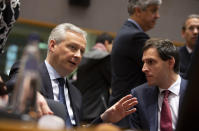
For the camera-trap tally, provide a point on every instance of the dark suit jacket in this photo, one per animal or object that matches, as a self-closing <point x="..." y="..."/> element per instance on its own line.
<point x="185" y="60"/>
<point x="47" y="91"/>
<point x="94" y="81"/>
<point x="57" y="108"/>
<point x="126" y="60"/>
<point x="146" y="116"/>
<point x="190" y="107"/>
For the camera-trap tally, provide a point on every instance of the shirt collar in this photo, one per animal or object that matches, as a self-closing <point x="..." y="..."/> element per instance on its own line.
<point x="189" y="49"/>
<point x="52" y="72"/>
<point x="175" y="87"/>
<point x="134" y="22"/>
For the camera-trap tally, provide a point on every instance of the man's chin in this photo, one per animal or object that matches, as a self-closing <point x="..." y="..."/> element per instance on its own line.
<point x="150" y="83"/>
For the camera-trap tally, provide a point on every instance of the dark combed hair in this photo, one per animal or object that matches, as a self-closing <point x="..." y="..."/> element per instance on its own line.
<point x="166" y="50"/>
<point x="103" y="37"/>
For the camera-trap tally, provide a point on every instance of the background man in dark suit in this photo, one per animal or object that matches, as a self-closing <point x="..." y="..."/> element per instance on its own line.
<point x="94" y="78"/>
<point x="126" y="54"/>
<point x="161" y="67"/>
<point x="190" y="31"/>
<point x="66" y="46"/>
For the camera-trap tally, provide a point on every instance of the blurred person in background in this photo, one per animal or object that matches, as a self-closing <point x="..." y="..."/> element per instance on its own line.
<point x="190" y="31"/>
<point x="94" y="78"/>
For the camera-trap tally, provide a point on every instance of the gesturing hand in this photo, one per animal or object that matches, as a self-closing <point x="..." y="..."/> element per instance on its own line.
<point x="120" y="109"/>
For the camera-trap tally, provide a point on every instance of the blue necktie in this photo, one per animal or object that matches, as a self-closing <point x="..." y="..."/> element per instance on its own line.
<point x="62" y="99"/>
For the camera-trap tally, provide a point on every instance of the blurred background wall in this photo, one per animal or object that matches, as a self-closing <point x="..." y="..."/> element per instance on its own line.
<point x="38" y="17"/>
<point x="108" y="15"/>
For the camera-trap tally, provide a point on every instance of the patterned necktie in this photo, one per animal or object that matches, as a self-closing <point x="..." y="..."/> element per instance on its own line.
<point x="62" y="99"/>
<point x="165" y="118"/>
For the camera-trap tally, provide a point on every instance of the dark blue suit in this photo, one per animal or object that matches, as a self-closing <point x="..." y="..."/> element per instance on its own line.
<point x="185" y="60"/>
<point x="126" y="60"/>
<point x="126" y="63"/>
<point x="47" y="91"/>
<point x="74" y="94"/>
<point x="146" y="116"/>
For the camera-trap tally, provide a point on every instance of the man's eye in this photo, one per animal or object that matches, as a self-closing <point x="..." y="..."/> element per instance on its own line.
<point x="82" y="51"/>
<point x="72" y="47"/>
<point x="191" y="28"/>
<point x="150" y="62"/>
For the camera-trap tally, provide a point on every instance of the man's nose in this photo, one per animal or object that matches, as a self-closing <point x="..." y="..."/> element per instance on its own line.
<point x="157" y="15"/>
<point x="144" y="68"/>
<point x="196" y="30"/>
<point x="78" y="54"/>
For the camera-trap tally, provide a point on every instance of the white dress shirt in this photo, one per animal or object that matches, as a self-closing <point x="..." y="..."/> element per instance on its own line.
<point x="173" y="99"/>
<point x="55" y="85"/>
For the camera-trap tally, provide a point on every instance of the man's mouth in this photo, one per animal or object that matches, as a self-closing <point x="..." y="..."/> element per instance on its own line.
<point x="73" y="63"/>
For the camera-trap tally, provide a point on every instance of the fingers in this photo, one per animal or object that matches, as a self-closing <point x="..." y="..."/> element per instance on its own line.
<point x="46" y="110"/>
<point x="43" y="109"/>
<point x="125" y="98"/>
<point x="130" y="111"/>
<point x="42" y="106"/>
<point x="129" y="103"/>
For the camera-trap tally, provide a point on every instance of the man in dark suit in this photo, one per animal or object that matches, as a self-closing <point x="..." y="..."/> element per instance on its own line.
<point x="126" y="54"/>
<point x="66" y="46"/>
<point x="190" y="31"/>
<point x="161" y="67"/>
<point x="94" y="78"/>
<point x="127" y="47"/>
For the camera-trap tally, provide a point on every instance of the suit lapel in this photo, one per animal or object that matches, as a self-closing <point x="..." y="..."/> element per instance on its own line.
<point x="46" y="90"/>
<point x="72" y="102"/>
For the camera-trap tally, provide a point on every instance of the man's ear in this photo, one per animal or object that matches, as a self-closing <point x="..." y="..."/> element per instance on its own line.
<point x="138" y="10"/>
<point x="183" y="33"/>
<point x="52" y="45"/>
<point x="171" y="63"/>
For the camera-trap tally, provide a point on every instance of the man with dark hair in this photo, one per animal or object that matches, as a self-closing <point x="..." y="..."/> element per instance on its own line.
<point x="190" y="31"/>
<point x="161" y="97"/>
<point x="94" y="78"/>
